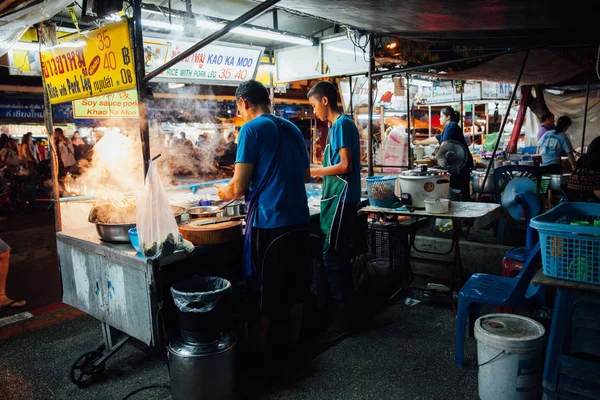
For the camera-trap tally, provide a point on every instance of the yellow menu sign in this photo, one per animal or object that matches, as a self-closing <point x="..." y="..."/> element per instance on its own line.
<point x="91" y="64"/>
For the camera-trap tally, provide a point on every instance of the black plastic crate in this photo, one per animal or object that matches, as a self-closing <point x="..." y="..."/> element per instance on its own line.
<point x="391" y="242"/>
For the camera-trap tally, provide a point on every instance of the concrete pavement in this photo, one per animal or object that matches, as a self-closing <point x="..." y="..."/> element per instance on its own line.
<point x="407" y="354"/>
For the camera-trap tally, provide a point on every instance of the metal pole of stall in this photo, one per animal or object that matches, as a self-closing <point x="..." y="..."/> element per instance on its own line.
<point x="408" y="112"/>
<point x="370" y="120"/>
<point x="49" y="121"/>
<point x="473" y="126"/>
<point x="504" y="119"/>
<point x="587" y="99"/>
<point x="487" y="122"/>
<point x="429" y="118"/>
<point x="142" y="87"/>
<point x="351" y="105"/>
<point x="259" y="9"/>
<point x="271" y="82"/>
<point x="462" y="110"/>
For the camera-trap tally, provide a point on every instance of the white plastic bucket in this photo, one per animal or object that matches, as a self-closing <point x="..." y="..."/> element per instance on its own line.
<point x="509" y="355"/>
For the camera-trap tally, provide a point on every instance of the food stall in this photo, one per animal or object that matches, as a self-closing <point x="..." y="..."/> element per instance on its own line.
<point x="483" y="105"/>
<point x="102" y="273"/>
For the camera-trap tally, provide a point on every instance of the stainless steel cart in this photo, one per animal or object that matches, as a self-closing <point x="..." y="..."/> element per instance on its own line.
<point x="120" y="288"/>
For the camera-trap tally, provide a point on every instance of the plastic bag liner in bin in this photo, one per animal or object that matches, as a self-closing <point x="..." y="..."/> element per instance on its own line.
<point x="203" y="308"/>
<point x="200" y="294"/>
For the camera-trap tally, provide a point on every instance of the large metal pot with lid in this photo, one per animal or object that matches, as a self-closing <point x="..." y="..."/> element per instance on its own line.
<point x="424" y="183"/>
<point x="557" y="181"/>
<point x="477" y="177"/>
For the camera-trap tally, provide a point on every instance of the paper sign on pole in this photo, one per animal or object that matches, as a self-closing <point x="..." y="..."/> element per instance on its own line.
<point x="120" y="105"/>
<point x="91" y="64"/>
<point x="221" y="65"/>
<point x="495" y="90"/>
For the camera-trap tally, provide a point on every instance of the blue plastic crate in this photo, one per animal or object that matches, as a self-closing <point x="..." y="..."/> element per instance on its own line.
<point x="570" y="252"/>
<point x="529" y="150"/>
<point x="380" y="190"/>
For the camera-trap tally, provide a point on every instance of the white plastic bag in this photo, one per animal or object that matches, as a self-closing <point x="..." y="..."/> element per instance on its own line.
<point x="156" y="225"/>
<point x="396" y="149"/>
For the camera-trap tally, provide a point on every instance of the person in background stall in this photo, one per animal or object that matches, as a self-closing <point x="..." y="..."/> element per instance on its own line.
<point x="547" y="125"/>
<point x="66" y="153"/>
<point x="3" y="140"/>
<point x="271" y="169"/>
<point x="77" y="141"/>
<point x="5" y="301"/>
<point x="203" y="141"/>
<point x="584" y="183"/>
<point x="27" y="156"/>
<point x="459" y="180"/>
<point x="185" y="141"/>
<point x="169" y="139"/>
<point x="229" y="151"/>
<point x="78" y="146"/>
<point x="9" y="157"/>
<point x="341" y="194"/>
<point x="553" y="145"/>
<point x="41" y="149"/>
<point x="34" y="149"/>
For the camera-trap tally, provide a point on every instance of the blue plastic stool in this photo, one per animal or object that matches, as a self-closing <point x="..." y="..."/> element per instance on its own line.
<point x="520" y="254"/>
<point x="498" y="291"/>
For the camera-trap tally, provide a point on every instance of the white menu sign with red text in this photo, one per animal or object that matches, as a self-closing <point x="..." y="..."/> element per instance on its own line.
<point x="215" y="64"/>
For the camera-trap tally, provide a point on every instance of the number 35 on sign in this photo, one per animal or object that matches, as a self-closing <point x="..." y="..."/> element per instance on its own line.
<point x="90" y="64"/>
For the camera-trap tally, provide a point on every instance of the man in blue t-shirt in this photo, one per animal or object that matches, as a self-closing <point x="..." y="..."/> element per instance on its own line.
<point x="341" y="194"/>
<point x="271" y="168"/>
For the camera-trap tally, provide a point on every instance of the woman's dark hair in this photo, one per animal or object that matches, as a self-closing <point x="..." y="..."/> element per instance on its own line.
<point x="324" y="89"/>
<point x="591" y="158"/>
<point x="562" y="124"/>
<point x="450" y="113"/>
<point x="253" y="92"/>
<point x="3" y="141"/>
<point x="546" y="116"/>
<point x="26" y="138"/>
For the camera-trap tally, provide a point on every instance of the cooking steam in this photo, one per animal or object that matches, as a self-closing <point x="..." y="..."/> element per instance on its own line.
<point x="116" y="166"/>
<point x="188" y="145"/>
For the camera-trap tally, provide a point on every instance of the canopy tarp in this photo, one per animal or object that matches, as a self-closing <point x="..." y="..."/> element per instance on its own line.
<point x="573" y="105"/>
<point x="543" y="67"/>
<point x="14" y="25"/>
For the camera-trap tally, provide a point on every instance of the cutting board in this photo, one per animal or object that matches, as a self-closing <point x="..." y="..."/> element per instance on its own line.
<point x="221" y="232"/>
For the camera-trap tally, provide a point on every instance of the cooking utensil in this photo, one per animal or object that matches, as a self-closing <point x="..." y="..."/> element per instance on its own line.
<point x="114" y="233"/>
<point x="203" y="222"/>
<point x="220" y="232"/>
<point x="557" y="180"/>
<point x="178" y="212"/>
<point x="123" y="211"/>
<point x="477" y="178"/>
<point x="223" y="206"/>
<point x="205" y="212"/>
<point x="437" y="206"/>
<point x="423" y="184"/>
<point x="235" y="209"/>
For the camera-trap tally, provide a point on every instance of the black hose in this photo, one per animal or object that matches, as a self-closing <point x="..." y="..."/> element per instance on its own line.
<point x="136" y="391"/>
